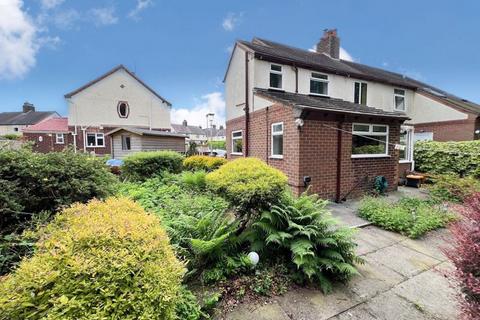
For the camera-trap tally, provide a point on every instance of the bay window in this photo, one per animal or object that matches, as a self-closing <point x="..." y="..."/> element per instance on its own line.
<point x="237" y="142"/>
<point x="277" y="140"/>
<point x="319" y="84"/>
<point x="369" y="140"/>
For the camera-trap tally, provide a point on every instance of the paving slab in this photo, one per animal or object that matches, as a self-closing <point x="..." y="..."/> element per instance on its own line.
<point x="431" y="244"/>
<point x="345" y="215"/>
<point x="390" y="306"/>
<point x="431" y="291"/>
<point x="403" y="260"/>
<point x="376" y="237"/>
<point x="270" y="311"/>
<point x="309" y="304"/>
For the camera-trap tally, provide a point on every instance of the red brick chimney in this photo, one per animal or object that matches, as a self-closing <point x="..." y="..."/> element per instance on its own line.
<point x="329" y="43"/>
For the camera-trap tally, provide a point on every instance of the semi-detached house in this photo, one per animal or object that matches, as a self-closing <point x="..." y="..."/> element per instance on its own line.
<point x="331" y="124"/>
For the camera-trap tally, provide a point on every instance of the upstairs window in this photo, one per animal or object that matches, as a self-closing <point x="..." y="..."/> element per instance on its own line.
<point x="59" y="138"/>
<point x="275" y="76"/>
<point x="360" y="93"/>
<point x="277" y="140"/>
<point x="369" y="140"/>
<point x="123" y="109"/>
<point x="399" y="99"/>
<point x="319" y="84"/>
<point x="237" y="142"/>
<point x="95" y="140"/>
<point x="126" y="143"/>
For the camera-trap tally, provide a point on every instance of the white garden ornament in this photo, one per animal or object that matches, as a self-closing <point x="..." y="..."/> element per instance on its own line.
<point x="254" y="257"/>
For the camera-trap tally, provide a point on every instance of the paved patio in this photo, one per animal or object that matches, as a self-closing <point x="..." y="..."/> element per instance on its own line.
<point x="401" y="279"/>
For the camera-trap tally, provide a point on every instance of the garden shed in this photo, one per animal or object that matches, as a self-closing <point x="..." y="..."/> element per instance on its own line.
<point x="128" y="140"/>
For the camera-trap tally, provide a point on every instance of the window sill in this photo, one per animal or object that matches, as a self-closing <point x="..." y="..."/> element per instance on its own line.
<point x="405" y="161"/>
<point x="319" y="95"/>
<point x="276" y="89"/>
<point x="360" y="156"/>
<point x="236" y="153"/>
<point x="59" y="143"/>
<point x="95" y="147"/>
<point x="276" y="157"/>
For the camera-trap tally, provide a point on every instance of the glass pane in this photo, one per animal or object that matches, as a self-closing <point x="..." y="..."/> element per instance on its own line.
<point x="90" y="140"/>
<point x="237" y="134"/>
<point x="361" y="127"/>
<point x="277" y="127"/>
<point x="403" y="142"/>
<point x="356" y="95"/>
<point x="364" y="94"/>
<point x="275" y="80"/>
<point x="399" y="103"/>
<point x="99" y="141"/>
<point x="399" y="92"/>
<point x="379" y="129"/>
<point x="127" y="143"/>
<point x="237" y="145"/>
<point x="365" y="145"/>
<point x="319" y="76"/>
<point x="277" y="145"/>
<point x="318" y="87"/>
<point x="276" y="67"/>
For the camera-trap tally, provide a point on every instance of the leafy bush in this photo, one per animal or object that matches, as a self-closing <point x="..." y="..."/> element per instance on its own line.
<point x="104" y="260"/>
<point x="204" y="163"/>
<point x="34" y="182"/>
<point x="144" y="165"/>
<point x="248" y="183"/>
<point x="12" y="136"/>
<point x="460" y="158"/>
<point x="465" y="255"/>
<point x="187" y="307"/>
<point x="409" y="216"/>
<point x="452" y="188"/>
<point x="194" y="180"/>
<point x="218" y="145"/>
<point x="303" y="232"/>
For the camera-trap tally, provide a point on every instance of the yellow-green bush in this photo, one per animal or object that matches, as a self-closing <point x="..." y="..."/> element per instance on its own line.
<point x="103" y="260"/>
<point x="248" y="182"/>
<point x="205" y="163"/>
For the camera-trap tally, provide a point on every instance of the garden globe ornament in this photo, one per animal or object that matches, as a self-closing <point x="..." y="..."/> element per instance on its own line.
<point x="254" y="258"/>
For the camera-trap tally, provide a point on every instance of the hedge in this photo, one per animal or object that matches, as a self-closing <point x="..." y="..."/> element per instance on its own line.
<point x="204" y="163"/>
<point x="144" y="165"/>
<point x="460" y="158"/>
<point x="103" y="260"/>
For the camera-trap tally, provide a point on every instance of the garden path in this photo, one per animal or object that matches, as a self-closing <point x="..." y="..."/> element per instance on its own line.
<point x="401" y="279"/>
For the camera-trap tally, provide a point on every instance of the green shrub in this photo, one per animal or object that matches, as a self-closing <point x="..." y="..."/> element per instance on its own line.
<point x="144" y="165"/>
<point x="459" y="158"/>
<point x="187" y="307"/>
<point x="218" y="145"/>
<point x="204" y="163"/>
<point x="452" y="188"/>
<point x="12" y="136"/>
<point x="409" y="216"/>
<point x="104" y="260"/>
<point x="194" y="180"/>
<point x="302" y="231"/>
<point x="248" y="183"/>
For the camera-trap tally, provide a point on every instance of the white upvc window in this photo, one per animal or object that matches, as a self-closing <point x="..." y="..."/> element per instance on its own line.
<point x="95" y="140"/>
<point x="369" y="140"/>
<point x="277" y="140"/>
<point x="276" y="75"/>
<point x="406" y="140"/>
<point x="59" y="138"/>
<point x="399" y="102"/>
<point x="237" y="142"/>
<point x="360" y="92"/>
<point x="319" y="84"/>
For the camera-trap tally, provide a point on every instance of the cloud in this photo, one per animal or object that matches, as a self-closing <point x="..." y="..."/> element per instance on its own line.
<point x="141" y="6"/>
<point x="104" y="16"/>
<point x="209" y="103"/>
<point x="50" y="4"/>
<point x="229" y="49"/>
<point x="231" y="21"/>
<point x="344" y="55"/>
<point x="66" y="19"/>
<point x="18" y="40"/>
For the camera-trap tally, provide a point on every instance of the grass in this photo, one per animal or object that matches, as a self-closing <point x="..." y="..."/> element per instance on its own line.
<point x="409" y="216"/>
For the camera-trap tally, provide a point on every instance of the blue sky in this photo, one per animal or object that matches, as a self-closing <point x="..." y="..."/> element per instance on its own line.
<point x="181" y="48"/>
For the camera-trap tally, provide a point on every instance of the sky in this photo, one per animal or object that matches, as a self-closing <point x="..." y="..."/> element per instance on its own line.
<point x="181" y="48"/>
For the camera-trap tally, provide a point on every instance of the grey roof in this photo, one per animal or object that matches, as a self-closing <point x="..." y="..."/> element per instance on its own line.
<point x="24" y="118"/>
<point x="180" y="128"/>
<point x="146" y="132"/>
<point x="325" y="104"/>
<point x="273" y="51"/>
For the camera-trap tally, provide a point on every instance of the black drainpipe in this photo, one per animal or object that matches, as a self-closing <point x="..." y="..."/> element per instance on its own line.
<point x="266" y="136"/>
<point x="247" y="108"/>
<point x="296" y="79"/>
<point x="339" y="161"/>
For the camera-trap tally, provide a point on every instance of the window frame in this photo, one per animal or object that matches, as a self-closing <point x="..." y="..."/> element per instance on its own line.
<point x="372" y="133"/>
<point x="124" y="142"/>
<point x="404" y="96"/>
<point x="275" y="72"/>
<point x="127" y="109"/>
<point x="409" y="144"/>
<point x="360" y="91"/>
<point x="272" y="134"/>
<point x="97" y="134"/>
<point x="233" y="140"/>
<point x="57" y="141"/>
<point x="327" y="81"/>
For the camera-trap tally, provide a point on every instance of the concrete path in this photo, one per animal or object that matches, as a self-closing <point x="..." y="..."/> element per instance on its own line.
<point x="401" y="279"/>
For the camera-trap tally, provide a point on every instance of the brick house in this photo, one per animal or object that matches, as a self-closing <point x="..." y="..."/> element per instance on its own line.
<point x="117" y="99"/>
<point x="15" y="122"/>
<point x="326" y="122"/>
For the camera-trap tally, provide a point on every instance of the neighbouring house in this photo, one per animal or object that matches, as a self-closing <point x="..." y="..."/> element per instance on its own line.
<point x="117" y="99"/>
<point x="330" y="124"/>
<point x="201" y="136"/>
<point x="15" y="122"/>
<point x="128" y="140"/>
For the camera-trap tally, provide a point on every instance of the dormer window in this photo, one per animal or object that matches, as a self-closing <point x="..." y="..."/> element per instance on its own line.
<point x="275" y="76"/>
<point x="123" y="109"/>
<point x="319" y="84"/>
<point x="399" y="99"/>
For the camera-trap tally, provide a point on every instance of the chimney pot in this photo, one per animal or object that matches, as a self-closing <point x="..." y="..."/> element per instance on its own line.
<point x="184" y="123"/>
<point x="329" y="44"/>
<point x="27" y="106"/>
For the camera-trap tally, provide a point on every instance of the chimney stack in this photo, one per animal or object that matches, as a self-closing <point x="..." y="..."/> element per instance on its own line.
<point x="184" y="123"/>
<point x="329" y="43"/>
<point x="27" y="107"/>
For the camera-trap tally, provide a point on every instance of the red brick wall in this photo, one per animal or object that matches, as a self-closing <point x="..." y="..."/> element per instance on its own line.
<point x="48" y="141"/>
<point x="456" y="130"/>
<point x="100" y="150"/>
<point x="312" y="151"/>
